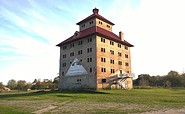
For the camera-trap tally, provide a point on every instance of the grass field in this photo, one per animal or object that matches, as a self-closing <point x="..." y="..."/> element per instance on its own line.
<point x="102" y="101"/>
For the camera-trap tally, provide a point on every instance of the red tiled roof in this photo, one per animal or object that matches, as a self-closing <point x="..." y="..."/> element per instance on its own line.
<point x="95" y="15"/>
<point x="94" y="30"/>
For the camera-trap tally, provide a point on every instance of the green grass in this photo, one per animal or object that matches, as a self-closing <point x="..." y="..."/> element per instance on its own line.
<point x="102" y="101"/>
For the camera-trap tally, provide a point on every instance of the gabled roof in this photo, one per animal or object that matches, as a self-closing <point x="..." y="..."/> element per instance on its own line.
<point x="95" y="30"/>
<point x="95" y="15"/>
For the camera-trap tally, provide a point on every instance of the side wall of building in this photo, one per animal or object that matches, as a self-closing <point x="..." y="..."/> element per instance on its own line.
<point x="83" y="50"/>
<point x="112" y="58"/>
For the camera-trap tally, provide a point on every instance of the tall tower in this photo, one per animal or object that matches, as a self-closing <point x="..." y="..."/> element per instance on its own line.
<point x="94" y="57"/>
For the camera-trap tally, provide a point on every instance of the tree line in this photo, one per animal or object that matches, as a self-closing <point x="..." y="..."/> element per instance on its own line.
<point x="37" y="84"/>
<point x="172" y="79"/>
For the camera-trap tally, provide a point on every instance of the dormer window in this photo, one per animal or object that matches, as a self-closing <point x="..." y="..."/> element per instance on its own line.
<point x="100" y="22"/>
<point x="91" y="22"/>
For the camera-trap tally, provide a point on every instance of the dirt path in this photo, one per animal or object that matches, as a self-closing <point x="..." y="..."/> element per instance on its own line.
<point x="170" y="111"/>
<point x="51" y="107"/>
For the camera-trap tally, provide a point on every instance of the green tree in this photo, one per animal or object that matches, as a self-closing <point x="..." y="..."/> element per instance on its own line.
<point x="1" y="85"/>
<point x="28" y="86"/>
<point x="21" y="85"/>
<point x="174" y="78"/>
<point x="56" y="82"/>
<point x="167" y="83"/>
<point x="12" y="84"/>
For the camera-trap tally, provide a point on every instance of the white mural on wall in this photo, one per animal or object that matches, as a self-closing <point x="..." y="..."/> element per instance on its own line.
<point x="76" y="68"/>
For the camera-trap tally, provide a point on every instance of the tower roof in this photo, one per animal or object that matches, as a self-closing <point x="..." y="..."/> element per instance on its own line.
<point x="95" y="15"/>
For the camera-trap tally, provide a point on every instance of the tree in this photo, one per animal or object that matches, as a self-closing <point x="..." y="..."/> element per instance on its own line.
<point x="175" y="78"/>
<point x="28" y="86"/>
<point x="21" y="85"/>
<point x="142" y="80"/>
<point x="167" y="83"/>
<point x="1" y="85"/>
<point x="12" y="84"/>
<point x="56" y="82"/>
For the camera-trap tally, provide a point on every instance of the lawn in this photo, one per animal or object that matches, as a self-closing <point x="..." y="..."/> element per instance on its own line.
<point x="101" y="101"/>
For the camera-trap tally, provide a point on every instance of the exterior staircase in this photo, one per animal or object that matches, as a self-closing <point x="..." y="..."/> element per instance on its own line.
<point x="120" y="80"/>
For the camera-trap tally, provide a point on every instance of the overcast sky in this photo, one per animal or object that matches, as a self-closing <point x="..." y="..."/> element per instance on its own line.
<point x="30" y="29"/>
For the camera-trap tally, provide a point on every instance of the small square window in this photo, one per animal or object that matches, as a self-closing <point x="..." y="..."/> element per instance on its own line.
<point x="103" y="40"/>
<point x="90" y="70"/>
<point x="119" y="54"/>
<point x="89" y="40"/>
<point x="112" y="52"/>
<point x="119" y="45"/>
<point x="103" y="80"/>
<point x="126" y="64"/>
<point x="111" y="43"/>
<point x="126" y="48"/>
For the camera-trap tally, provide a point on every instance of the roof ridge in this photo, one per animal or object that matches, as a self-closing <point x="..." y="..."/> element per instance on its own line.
<point x="95" y="15"/>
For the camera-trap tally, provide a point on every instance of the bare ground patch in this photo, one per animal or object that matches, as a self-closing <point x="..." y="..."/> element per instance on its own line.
<point x="167" y="111"/>
<point x="28" y="106"/>
<point x="79" y="107"/>
<point x="101" y="107"/>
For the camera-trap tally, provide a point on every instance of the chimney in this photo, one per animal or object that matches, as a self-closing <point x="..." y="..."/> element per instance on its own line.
<point x="95" y="11"/>
<point x="76" y="34"/>
<point x="121" y="35"/>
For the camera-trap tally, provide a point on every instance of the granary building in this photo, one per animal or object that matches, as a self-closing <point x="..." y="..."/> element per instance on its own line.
<point x="94" y="57"/>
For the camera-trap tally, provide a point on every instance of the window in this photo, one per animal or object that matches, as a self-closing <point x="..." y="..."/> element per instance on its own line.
<point x="112" y="70"/>
<point x="89" y="40"/>
<point x="62" y="73"/>
<point x="64" y="56"/>
<point x="78" y="80"/>
<point x="79" y="52"/>
<point x="64" y="47"/>
<point x="89" y="50"/>
<point x="103" y="80"/>
<point x="111" y="43"/>
<point x="112" y="52"/>
<point x="120" y="71"/>
<point x="119" y="45"/>
<point x="119" y="62"/>
<point x="90" y="69"/>
<point x="80" y="43"/>
<point x="83" y="25"/>
<point x="126" y="64"/>
<point x="72" y="54"/>
<point x="128" y="72"/>
<point x="89" y="59"/>
<point x="103" y="69"/>
<point x="119" y="54"/>
<point x="80" y="60"/>
<point x="111" y="61"/>
<point x="71" y="45"/>
<point x="126" y="56"/>
<point x="64" y="65"/>
<point x="103" y="40"/>
<point x="108" y="26"/>
<point x="102" y="49"/>
<point x="100" y="22"/>
<point x="126" y="47"/>
<point x="91" y="22"/>
<point x="103" y="59"/>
